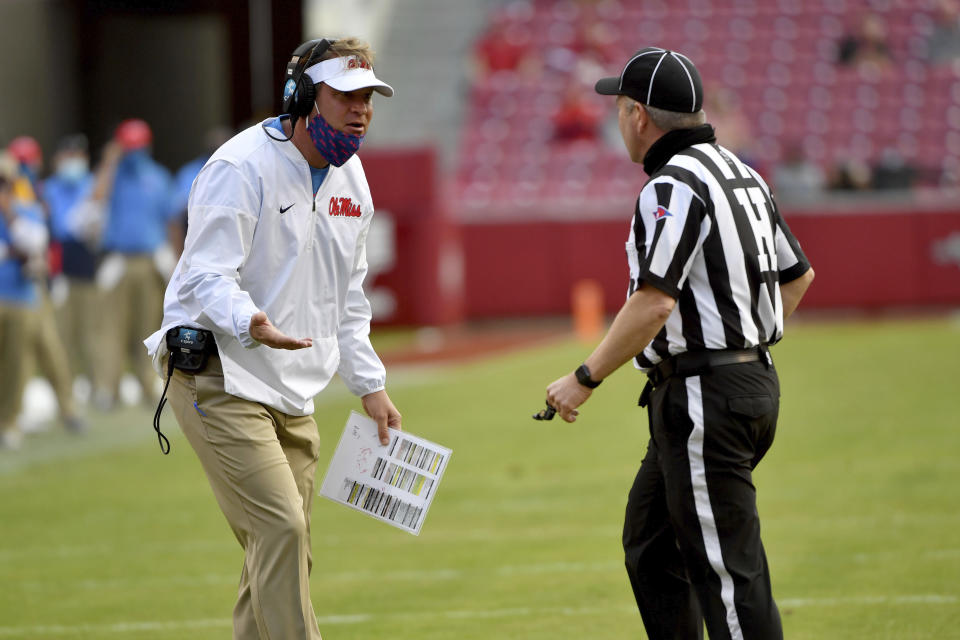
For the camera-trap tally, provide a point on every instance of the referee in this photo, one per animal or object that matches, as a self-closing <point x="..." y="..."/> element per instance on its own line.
<point x="714" y="271"/>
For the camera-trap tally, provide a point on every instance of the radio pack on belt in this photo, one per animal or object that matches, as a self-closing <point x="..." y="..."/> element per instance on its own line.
<point x="189" y="349"/>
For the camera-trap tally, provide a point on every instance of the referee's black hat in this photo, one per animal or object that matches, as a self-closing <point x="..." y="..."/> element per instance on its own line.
<point x="659" y="78"/>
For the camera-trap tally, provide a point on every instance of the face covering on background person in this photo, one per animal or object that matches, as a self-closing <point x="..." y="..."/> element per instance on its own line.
<point x="133" y="160"/>
<point x="73" y="169"/>
<point x="335" y="146"/>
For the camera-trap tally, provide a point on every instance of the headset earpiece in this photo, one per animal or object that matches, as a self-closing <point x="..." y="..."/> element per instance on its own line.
<point x="305" y="95"/>
<point x="299" y="92"/>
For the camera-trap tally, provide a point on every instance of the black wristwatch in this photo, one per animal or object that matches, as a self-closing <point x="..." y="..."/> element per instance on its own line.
<point x="583" y="377"/>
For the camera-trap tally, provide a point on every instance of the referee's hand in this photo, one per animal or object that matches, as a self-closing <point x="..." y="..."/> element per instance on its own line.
<point x="565" y="395"/>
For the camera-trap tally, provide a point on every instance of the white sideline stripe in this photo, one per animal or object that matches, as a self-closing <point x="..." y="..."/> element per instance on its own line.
<point x="16" y="553"/>
<point x="359" y="618"/>
<point x="701" y="498"/>
<point x="445" y="574"/>
<point x="929" y="598"/>
<point x="117" y="627"/>
<point x="334" y="576"/>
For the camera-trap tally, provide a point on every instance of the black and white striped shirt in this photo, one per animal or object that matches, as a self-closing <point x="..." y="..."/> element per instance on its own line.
<point x="707" y="232"/>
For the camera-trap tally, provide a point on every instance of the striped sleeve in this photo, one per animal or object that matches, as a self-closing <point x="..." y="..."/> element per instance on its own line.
<point x="791" y="261"/>
<point x="675" y="224"/>
<point x="636" y="248"/>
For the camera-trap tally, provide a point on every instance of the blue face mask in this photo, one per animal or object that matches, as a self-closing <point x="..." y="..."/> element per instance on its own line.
<point x="335" y="146"/>
<point x="135" y="159"/>
<point x="73" y="169"/>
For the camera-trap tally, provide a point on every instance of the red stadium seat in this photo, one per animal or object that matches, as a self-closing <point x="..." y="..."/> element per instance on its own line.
<point x="778" y="55"/>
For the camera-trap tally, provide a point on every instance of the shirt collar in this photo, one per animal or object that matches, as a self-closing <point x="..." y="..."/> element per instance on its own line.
<point x="673" y="142"/>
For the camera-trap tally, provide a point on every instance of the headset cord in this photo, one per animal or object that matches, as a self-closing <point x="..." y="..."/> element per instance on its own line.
<point x="164" y="442"/>
<point x="293" y="124"/>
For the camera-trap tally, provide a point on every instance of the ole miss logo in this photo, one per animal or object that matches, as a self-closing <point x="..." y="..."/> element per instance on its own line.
<point x="356" y="63"/>
<point x="344" y="207"/>
<point x="661" y="213"/>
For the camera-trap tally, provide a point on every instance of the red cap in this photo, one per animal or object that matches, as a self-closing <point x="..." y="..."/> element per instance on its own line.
<point x="25" y="150"/>
<point x="133" y="134"/>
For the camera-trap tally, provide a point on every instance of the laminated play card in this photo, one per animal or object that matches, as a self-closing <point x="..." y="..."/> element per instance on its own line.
<point x="395" y="482"/>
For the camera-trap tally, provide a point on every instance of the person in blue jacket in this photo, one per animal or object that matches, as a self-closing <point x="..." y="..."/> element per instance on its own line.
<point x="183" y="181"/>
<point x="136" y="262"/>
<point x="48" y="357"/>
<point x="65" y="193"/>
<point x="23" y="246"/>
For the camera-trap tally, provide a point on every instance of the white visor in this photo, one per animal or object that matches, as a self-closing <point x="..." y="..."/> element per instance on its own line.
<point x="348" y="73"/>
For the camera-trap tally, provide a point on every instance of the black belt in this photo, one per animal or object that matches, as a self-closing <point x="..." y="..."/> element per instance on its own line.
<point x="695" y="363"/>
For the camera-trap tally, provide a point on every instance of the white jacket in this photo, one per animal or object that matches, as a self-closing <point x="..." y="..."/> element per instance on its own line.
<point x="258" y="240"/>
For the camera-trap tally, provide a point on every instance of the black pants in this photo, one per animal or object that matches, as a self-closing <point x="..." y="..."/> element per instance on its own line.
<point x="692" y="532"/>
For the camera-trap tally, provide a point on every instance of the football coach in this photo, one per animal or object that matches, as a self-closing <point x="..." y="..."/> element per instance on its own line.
<point x="277" y="248"/>
<point x="714" y="272"/>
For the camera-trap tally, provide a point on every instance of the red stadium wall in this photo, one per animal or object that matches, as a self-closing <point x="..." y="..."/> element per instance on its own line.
<point x="425" y="279"/>
<point x="445" y="271"/>
<point x="875" y="260"/>
<point x="863" y="260"/>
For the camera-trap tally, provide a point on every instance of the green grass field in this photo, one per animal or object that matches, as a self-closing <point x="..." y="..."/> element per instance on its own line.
<point x="103" y="537"/>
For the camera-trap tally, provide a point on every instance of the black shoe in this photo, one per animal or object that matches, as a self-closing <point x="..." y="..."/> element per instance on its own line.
<point x="76" y="425"/>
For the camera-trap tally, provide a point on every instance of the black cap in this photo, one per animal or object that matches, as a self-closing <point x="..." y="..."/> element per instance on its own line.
<point x="659" y="78"/>
<point x="73" y="142"/>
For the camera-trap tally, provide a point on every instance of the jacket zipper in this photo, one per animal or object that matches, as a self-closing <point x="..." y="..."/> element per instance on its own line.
<point x="313" y="218"/>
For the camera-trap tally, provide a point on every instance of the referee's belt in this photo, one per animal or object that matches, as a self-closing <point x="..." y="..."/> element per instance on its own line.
<point x="695" y="363"/>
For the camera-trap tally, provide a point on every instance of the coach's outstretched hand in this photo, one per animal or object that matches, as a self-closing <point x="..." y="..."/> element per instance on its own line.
<point x="566" y="394"/>
<point x="263" y="331"/>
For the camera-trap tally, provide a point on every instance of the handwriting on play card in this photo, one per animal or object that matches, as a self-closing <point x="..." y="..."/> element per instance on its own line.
<point x="395" y="482"/>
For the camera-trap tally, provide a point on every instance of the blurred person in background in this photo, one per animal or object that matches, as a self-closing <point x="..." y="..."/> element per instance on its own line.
<point x="78" y="313"/>
<point x="505" y="49"/>
<point x="892" y="171"/>
<point x="723" y="109"/>
<point x="943" y="43"/>
<point x="714" y="272"/>
<point x="29" y="155"/>
<point x="46" y="352"/>
<point x="577" y="118"/>
<point x="136" y="261"/>
<point x="277" y="249"/>
<point x="23" y="244"/>
<point x="868" y="47"/>
<point x="796" y="178"/>
<point x="182" y="182"/>
<point x="850" y="174"/>
<point x="595" y="46"/>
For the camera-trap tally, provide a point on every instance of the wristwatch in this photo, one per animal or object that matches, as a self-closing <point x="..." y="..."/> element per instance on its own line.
<point x="583" y="377"/>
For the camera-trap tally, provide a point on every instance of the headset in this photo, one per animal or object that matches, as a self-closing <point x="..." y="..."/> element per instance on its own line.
<point x="298" y="91"/>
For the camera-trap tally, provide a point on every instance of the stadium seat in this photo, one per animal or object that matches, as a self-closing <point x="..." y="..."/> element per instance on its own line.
<point x="779" y="55"/>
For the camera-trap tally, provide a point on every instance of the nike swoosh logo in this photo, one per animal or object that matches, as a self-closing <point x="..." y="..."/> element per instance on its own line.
<point x="287" y="208"/>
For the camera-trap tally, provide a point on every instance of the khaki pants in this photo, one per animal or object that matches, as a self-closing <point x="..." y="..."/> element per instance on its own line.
<point x="16" y="328"/>
<point x="79" y="322"/>
<point x="261" y="465"/>
<point x="132" y="311"/>
<point x="48" y="356"/>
